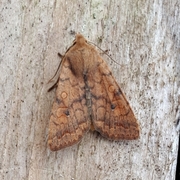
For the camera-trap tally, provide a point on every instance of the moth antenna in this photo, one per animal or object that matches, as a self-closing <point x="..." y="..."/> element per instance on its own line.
<point x="53" y="86"/>
<point x="104" y="52"/>
<point x="61" y="56"/>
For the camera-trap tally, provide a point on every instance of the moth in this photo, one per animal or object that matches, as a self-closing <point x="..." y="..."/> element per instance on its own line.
<point x="88" y="96"/>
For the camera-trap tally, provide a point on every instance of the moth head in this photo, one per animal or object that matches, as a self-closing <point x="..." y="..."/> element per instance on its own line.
<point x="80" y="39"/>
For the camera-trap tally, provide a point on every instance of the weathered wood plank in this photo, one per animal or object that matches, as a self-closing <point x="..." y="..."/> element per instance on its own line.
<point x="143" y="36"/>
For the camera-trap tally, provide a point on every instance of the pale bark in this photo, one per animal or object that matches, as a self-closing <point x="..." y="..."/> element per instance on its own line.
<point x="142" y="36"/>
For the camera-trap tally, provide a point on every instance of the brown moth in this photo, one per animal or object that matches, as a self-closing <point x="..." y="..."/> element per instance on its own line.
<point x="88" y="95"/>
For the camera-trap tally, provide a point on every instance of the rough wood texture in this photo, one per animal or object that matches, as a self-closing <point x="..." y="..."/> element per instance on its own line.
<point x="142" y="36"/>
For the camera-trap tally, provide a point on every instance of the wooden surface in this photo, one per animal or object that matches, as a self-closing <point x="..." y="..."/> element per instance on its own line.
<point x="142" y="36"/>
